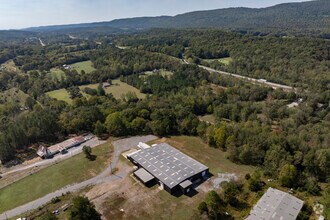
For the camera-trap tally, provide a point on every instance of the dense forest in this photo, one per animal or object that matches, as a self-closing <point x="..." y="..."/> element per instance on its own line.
<point x="253" y="123"/>
<point x="299" y="62"/>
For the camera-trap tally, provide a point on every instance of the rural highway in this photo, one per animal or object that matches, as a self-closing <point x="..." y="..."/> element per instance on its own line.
<point x="106" y="176"/>
<point x="42" y="43"/>
<point x="253" y="80"/>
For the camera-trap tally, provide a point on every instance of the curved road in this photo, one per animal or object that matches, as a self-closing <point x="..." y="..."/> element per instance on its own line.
<point x="253" y="80"/>
<point x="106" y="176"/>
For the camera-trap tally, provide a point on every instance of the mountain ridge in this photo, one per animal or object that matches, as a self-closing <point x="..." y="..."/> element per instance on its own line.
<point x="305" y="16"/>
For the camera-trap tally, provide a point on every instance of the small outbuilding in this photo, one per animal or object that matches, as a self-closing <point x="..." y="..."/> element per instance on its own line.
<point x="146" y="178"/>
<point x="186" y="186"/>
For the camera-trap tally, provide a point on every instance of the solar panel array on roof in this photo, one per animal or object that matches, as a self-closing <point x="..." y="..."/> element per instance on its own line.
<point x="168" y="164"/>
<point x="275" y="204"/>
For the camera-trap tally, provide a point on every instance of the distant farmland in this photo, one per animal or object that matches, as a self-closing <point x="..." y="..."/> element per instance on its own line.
<point x="117" y="90"/>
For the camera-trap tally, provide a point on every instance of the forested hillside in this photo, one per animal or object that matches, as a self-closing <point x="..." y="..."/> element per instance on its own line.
<point x="299" y="62"/>
<point x="291" y="18"/>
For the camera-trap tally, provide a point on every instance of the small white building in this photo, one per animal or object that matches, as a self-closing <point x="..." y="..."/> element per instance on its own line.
<point x="143" y="146"/>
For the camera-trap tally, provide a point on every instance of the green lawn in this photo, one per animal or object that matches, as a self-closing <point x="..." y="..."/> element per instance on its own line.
<point x="225" y="60"/>
<point x="73" y="170"/>
<point x="117" y="89"/>
<point x="87" y="66"/>
<point x="214" y="158"/>
<point x="56" y="74"/>
<point x="60" y="94"/>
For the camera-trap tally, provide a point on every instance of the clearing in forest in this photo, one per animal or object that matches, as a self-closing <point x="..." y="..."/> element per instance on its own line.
<point x="117" y="89"/>
<point x="10" y="66"/>
<point x="164" y="73"/>
<point x="225" y="60"/>
<point x="61" y="94"/>
<point x="87" y="66"/>
<point x="56" y="74"/>
<point x="13" y="95"/>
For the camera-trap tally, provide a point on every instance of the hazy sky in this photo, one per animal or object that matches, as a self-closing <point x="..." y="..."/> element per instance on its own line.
<point x="27" y="13"/>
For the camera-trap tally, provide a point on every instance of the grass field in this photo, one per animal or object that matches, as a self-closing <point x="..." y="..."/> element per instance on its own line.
<point x="13" y="95"/>
<point x="214" y="158"/>
<point x="208" y="118"/>
<point x="56" y="74"/>
<point x="73" y="170"/>
<point x="60" y="94"/>
<point x="225" y="60"/>
<point x="162" y="72"/>
<point x="117" y="89"/>
<point x="87" y="66"/>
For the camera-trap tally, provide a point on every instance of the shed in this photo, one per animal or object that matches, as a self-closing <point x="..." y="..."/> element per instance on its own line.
<point x="186" y="186"/>
<point x="144" y="176"/>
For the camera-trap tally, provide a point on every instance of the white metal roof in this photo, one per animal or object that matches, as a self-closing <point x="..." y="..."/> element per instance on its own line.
<point x="276" y="204"/>
<point x="168" y="164"/>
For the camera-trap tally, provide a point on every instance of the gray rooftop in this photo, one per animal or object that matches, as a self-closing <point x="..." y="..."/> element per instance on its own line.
<point x="186" y="184"/>
<point x="275" y="204"/>
<point x="168" y="164"/>
<point x="144" y="175"/>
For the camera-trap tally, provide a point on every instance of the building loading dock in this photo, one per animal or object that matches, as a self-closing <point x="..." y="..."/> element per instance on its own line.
<point x="173" y="170"/>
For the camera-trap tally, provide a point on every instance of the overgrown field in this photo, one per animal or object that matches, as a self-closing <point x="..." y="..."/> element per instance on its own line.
<point x="56" y="74"/>
<point x="225" y="60"/>
<point x="13" y="95"/>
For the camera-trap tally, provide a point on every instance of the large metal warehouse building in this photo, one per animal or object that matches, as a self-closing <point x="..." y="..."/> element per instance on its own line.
<point x="170" y="168"/>
<point x="276" y="204"/>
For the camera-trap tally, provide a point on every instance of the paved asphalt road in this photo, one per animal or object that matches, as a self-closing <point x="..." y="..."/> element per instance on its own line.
<point x="270" y="84"/>
<point x="57" y="158"/>
<point x="106" y="176"/>
<point x="253" y="80"/>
